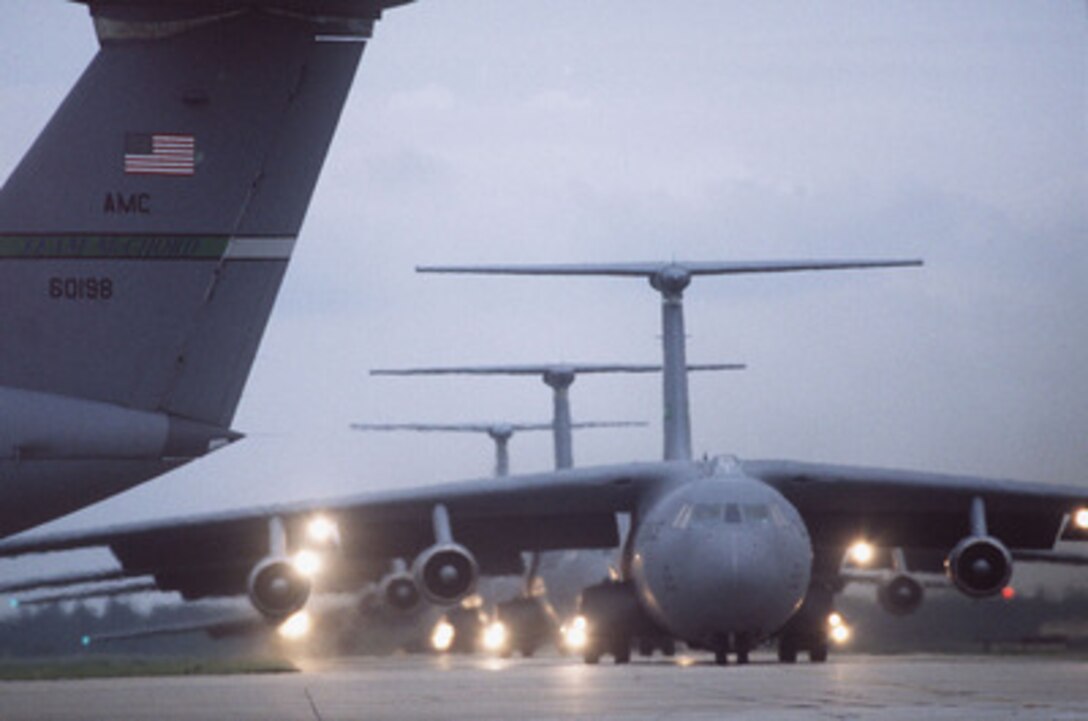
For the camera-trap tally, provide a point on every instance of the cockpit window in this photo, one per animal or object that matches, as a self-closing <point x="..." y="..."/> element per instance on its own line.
<point x="706" y="513"/>
<point x="779" y="517"/>
<point x="683" y="516"/>
<point x="757" y="513"/>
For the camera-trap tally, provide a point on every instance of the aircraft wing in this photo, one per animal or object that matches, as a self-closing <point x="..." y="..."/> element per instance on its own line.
<point x="496" y="519"/>
<point x="499" y="518"/>
<point x="928" y="579"/>
<point x="915" y="510"/>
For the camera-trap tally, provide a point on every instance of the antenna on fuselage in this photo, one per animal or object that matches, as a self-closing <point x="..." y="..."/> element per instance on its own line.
<point x="559" y="377"/>
<point x="500" y="433"/>
<point x="671" y="279"/>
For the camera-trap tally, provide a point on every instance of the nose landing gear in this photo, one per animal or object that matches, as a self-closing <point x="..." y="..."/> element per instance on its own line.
<point x="740" y="644"/>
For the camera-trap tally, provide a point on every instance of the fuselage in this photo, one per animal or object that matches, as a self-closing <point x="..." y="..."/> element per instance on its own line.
<point x="721" y="558"/>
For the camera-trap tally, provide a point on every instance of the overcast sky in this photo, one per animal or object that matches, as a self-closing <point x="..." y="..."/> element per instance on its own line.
<point x="517" y="131"/>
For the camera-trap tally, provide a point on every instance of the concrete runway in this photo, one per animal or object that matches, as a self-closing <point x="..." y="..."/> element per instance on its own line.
<point x="847" y="687"/>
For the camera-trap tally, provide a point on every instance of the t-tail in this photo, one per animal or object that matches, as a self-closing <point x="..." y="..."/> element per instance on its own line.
<point x="670" y="279"/>
<point x="144" y="236"/>
<point x="560" y="377"/>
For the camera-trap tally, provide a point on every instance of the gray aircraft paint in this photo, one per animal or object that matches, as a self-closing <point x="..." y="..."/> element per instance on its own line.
<point x="684" y="571"/>
<point x="144" y="237"/>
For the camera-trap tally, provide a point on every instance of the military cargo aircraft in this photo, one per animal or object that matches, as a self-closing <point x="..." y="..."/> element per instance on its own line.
<point x="553" y="582"/>
<point x="722" y="553"/>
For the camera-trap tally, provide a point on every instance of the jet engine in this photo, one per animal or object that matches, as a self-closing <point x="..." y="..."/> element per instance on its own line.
<point x="277" y="589"/>
<point x="399" y="592"/>
<point x="445" y="573"/>
<point x="979" y="566"/>
<point x="900" y="595"/>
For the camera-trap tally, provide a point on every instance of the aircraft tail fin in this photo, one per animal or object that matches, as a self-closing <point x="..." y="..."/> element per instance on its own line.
<point x="144" y="236"/>
<point x="671" y="278"/>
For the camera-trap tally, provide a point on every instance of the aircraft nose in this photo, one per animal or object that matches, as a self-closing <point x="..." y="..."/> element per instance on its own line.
<point x="744" y="581"/>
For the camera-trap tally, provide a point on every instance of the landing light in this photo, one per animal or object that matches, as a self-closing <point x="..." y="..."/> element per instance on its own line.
<point x="322" y="531"/>
<point x="1080" y="519"/>
<point x="307" y="562"/>
<point x="495" y="636"/>
<point x="838" y="631"/>
<point x="296" y="626"/>
<point x="861" y="553"/>
<point x="576" y="633"/>
<point x="442" y="636"/>
<point x="473" y="601"/>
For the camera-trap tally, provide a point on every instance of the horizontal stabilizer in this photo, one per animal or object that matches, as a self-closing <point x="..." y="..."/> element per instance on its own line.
<point x="153" y="13"/>
<point x="650" y="269"/>
<point x="541" y="369"/>
<point x="486" y="427"/>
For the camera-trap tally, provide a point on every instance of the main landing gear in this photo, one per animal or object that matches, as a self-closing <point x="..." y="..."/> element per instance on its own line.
<point x="614" y="620"/>
<point x="529" y="625"/>
<point x="808" y="632"/>
<point x="790" y="645"/>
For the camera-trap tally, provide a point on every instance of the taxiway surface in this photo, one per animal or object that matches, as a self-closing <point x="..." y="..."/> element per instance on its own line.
<point x="481" y="689"/>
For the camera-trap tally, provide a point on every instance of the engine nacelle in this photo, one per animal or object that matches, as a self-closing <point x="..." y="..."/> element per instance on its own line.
<point x="400" y="592"/>
<point x="277" y="589"/>
<point x="901" y="595"/>
<point x="979" y="566"/>
<point x="445" y="573"/>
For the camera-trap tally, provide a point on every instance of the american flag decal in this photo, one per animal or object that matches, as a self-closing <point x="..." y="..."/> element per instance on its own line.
<point x="160" y="154"/>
